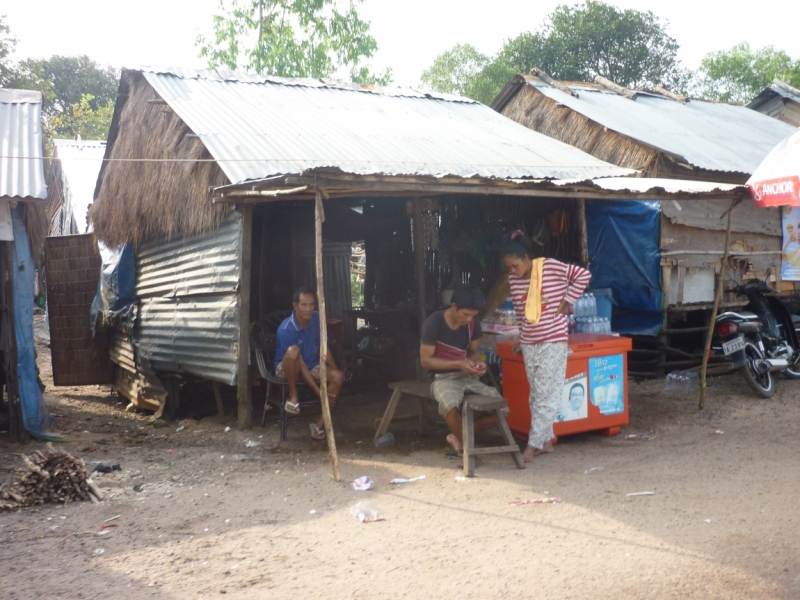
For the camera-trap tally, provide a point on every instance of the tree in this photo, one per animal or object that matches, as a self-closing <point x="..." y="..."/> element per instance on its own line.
<point x="64" y="80"/>
<point x="7" y="45"/>
<point x="81" y="120"/>
<point x="629" y="47"/>
<point x="292" y="38"/>
<point x="453" y="72"/>
<point x="741" y="73"/>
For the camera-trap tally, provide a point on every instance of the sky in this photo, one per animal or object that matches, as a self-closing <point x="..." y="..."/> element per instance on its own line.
<point x="410" y="33"/>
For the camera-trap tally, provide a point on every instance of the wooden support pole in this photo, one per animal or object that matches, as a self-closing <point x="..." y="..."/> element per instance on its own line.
<point x="717" y="298"/>
<point x="243" y="393"/>
<point x="319" y="218"/>
<point x="419" y="255"/>
<point x="584" y="233"/>
<point x="16" y="426"/>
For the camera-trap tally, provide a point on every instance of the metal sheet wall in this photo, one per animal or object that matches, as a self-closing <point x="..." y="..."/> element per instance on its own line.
<point x="336" y="271"/>
<point x="189" y="312"/>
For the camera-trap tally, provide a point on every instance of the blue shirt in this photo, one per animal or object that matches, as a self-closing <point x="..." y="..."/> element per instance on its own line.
<point x="290" y="333"/>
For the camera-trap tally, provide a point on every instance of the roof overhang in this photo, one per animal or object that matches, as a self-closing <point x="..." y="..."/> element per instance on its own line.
<point x="304" y="186"/>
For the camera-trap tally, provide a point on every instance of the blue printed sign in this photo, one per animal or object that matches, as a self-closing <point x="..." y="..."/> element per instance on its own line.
<point x="607" y="384"/>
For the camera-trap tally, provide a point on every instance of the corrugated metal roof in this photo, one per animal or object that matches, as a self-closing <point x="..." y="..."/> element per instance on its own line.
<point x="708" y="135"/>
<point x="21" y="161"/>
<point x="258" y="126"/>
<point x="80" y="165"/>
<point x="643" y="185"/>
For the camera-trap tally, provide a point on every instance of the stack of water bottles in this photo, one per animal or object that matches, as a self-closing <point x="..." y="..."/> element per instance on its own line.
<point x="585" y="319"/>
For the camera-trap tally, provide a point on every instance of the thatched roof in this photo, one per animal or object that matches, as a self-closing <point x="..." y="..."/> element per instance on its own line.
<point x="163" y="190"/>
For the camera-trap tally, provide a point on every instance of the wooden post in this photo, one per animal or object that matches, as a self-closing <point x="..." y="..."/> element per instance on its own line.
<point x="717" y="297"/>
<point x="584" y="233"/>
<point x="319" y="218"/>
<point x="419" y="255"/>
<point x="243" y="392"/>
<point x="16" y="427"/>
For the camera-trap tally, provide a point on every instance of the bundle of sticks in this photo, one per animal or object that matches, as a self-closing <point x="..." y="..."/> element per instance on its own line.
<point x="50" y="476"/>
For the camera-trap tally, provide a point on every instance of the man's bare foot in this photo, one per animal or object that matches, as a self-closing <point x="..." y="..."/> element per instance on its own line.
<point x="454" y="443"/>
<point x="547" y="448"/>
<point x="528" y="453"/>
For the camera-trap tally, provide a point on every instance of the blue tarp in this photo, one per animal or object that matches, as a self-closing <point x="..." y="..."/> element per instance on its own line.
<point x="34" y="414"/>
<point x="116" y="293"/>
<point x="624" y="255"/>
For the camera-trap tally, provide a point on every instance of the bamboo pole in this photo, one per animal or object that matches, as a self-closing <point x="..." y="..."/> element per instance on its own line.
<point x="419" y="255"/>
<point x="319" y="218"/>
<point x="717" y="298"/>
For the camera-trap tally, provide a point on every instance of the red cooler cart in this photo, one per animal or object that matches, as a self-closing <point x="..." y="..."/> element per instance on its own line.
<point x="595" y="394"/>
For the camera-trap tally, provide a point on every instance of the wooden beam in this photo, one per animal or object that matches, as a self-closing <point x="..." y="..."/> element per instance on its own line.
<point x="616" y="88"/>
<point x="660" y="89"/>
<point x="243" y="393"/>
<point x="319" y="218"/>
<point x="537" y="72"/>
<point x="419" y="256"/>
<point x="717" y="297"/>
<point x="583" y="232"/>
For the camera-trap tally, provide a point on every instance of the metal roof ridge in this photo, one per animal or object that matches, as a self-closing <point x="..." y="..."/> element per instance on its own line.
<point x="229" y="76"/>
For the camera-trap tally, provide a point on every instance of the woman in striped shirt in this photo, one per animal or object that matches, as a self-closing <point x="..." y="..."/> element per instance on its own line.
<point x="543" y="344"/>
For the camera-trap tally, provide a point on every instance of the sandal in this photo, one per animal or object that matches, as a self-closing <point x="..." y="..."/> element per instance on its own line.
<point x="316" y="432"/>
<point x="293" y="408"/>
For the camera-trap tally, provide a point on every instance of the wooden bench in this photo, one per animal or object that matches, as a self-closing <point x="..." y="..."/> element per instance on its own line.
<point x="410" y="387"/>
<point x="472" y="403"/>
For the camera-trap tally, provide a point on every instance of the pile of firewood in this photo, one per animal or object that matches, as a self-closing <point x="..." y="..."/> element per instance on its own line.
<point x="50" y="476"/>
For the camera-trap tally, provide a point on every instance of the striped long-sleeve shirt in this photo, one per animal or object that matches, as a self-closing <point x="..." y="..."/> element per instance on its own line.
<point x="560" y="281"/>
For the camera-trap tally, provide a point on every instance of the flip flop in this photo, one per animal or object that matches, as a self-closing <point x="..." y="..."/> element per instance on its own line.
<point x="454" y="454"/>
<point x="316" y="432"/>
<point x="293" y="408"/>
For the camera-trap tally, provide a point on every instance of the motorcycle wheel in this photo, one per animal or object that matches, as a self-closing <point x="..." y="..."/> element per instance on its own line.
<point x="762" y="384"/>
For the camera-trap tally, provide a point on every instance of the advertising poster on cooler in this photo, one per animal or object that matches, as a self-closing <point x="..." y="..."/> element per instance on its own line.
<point x="790" y="257"/>
<point x="606" y="381"/>
<point x="574" y="398"/>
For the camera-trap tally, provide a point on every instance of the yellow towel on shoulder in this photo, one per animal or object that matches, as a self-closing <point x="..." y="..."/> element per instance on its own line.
<point x="533" y="305"/>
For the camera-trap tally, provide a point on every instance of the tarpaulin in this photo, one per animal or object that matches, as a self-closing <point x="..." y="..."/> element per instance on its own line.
<point x="624" y="255"/>
<point x="34" y="414"/>
<point x="115" y="300"/>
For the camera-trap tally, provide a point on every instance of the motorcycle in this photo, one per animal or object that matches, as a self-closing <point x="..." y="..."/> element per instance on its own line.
<point x="761" y="339"/>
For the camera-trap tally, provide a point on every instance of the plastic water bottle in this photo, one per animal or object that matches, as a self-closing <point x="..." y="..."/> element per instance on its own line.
<point x="684" y="382"/>
<point x="592" y="306"/>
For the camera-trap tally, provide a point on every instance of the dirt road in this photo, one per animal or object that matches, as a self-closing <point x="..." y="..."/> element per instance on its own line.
<point x="722" y="521"/>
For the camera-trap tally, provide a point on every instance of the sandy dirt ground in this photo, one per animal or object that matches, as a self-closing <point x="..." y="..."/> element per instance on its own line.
<point x="722" y="522"/>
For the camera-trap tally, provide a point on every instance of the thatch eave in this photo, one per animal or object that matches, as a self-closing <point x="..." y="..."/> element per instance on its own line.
<point x="156" y="174"/>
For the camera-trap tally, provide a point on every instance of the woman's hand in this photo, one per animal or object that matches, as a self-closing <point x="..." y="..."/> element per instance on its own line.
<point x="516" y="348"/>
<point x="563" y="308"/>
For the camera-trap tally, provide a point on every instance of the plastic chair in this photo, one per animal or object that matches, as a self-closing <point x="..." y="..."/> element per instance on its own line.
<point x="265" y="340"/>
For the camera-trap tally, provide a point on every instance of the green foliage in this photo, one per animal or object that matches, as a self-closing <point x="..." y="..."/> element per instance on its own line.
<point x="64" y="80"/>
<point x="454" y="71"/>
<point x="741" y="73"/>
<point x="7" y="44"/>
<point x="577" y="43"/>
<point x="292" y="38"/>
<point x="82" y="120"/>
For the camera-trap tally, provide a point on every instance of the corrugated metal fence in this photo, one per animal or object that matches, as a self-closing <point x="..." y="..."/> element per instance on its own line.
<point x="189" y="303"/>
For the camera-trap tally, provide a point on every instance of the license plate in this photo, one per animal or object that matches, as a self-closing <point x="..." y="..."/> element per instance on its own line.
<point x="733" y="345"/>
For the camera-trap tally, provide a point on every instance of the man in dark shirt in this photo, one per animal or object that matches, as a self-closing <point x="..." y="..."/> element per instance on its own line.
<point x="449" y="349"/>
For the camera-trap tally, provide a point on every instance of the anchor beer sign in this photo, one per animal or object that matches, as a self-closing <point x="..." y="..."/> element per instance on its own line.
<point x="776" y="181"/>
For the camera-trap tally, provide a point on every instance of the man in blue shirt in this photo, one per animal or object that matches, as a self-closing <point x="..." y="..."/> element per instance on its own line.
<point x="298" y="354"/>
